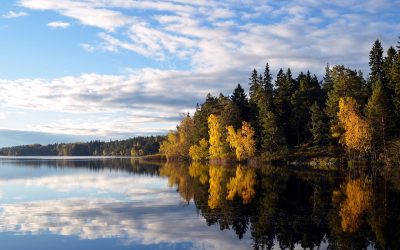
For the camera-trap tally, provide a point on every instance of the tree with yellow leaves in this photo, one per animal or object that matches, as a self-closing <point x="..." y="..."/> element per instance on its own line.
<point x="242" y="141"/>
<point x="169" y="145"/>
<point x="218" y="145"/>
<point x="186" y="131"/>
<point x="177" y="143"/>
<point x="199" y="152"/>
<point x="357" y="131"/>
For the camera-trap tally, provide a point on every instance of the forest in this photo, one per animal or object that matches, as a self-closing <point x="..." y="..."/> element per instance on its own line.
<point x="138" y="146"/>
<point x="346" y="113"/>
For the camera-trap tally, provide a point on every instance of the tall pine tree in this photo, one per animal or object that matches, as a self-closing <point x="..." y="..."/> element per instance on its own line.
<point x="239" y="98"/>
<point x="378" y="114"/>
<point x="376" y="64"/>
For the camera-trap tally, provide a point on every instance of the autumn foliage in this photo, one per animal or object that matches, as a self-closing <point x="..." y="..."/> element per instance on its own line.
<point x="242" y="141"/>
<point x="357" y="131"/>
<point x="242" y="184"/>
<point x="358" y="201"/>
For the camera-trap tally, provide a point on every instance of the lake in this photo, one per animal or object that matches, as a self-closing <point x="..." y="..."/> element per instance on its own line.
<point x="119" y="203"/>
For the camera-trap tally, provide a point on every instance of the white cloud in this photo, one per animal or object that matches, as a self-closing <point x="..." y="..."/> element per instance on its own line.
<point x="88" y="47"/>
<point x="58" y="24"/>
<point x="12" y="14"/>
<point x="217" y="42"/>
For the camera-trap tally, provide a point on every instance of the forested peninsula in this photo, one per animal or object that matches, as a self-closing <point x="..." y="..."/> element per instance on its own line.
<point x="138" y="146"/>
<point x="345" y="114"/>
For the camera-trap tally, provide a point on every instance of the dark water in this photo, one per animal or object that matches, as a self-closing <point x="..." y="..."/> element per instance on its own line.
<point x="121" y="204"/>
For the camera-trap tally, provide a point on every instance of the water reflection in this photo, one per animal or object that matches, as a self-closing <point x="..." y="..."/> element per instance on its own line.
<point x="196" y="206"/>
<point x="284" y="208"/>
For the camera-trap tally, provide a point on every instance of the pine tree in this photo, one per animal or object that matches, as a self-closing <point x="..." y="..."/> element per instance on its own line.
<point x="376" y="63"/>
<point x="273" y="140"/>
<point x="282" y="102"/>
<point x="327" y="83"/>
<point x="317" y="126"/>
<point x="346" y="83"/>
<point x="254" y="85"/>
<point x="239" y="98"/>
<point x="395" y="81"/>
<point x="267" y="86"/>
<point x="377" y="114"/>
<point x="309" y="92"/>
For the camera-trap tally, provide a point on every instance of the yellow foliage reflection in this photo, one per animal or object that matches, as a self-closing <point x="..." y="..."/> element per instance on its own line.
<point x="358" y="201"/>
<point x="178" y="175"/>
<point x="242" y="184"/>
<point x="215" y="190"/>
<point x="200" y="171"/>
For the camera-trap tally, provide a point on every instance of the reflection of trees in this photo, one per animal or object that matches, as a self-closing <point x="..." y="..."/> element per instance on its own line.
<point x="290" y="210"/>
<point x="200" y="171"/>
<point x="178" y="175"/>
<point x="130" y="165"/>
<point x="216" y="188"/>
<point x="357" y="202"/>
<point x="242" y="184"/>
<point x="281" y="206"/>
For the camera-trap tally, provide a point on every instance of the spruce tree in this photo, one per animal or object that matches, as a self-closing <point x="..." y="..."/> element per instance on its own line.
<point x="239" y="98"/>
<point x="327" y="83"/>
<point x="346" y="83"/>
<point x="282" y="102"/>
<point x="267" y="86"/>
<point x="317" y="126"/>
<point x="395" y="92"/>
<point x="376" y="63"/>
<point x="309" y="92"/>
<point x="377" y="114"/>
<point x="273" y="140"/>
<point x="254" y="85"/>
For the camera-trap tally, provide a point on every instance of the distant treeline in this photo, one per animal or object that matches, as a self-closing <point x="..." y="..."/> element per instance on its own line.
<point x="137" y="146"/>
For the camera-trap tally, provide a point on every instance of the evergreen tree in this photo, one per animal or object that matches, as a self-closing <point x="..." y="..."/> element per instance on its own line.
<point x="282" y="101"/>
<point x="201" y="115"/>
<point x="273" y="140"/>
<point x="395" y="82"/>
<point x="317" y="126"/>
<point x="376" y="63"/>
<point x="309" y="92"/>
<point x="398" y="45"/>
<point x="346" y="83"/>
<point x="239" y="98"/>
<point x="254" y="85"/>
<point x="267" y="86"/>
<point x="327" y="83"/>
<point x="377" y="114"/>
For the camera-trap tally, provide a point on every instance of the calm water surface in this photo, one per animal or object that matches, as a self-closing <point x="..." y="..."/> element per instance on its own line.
<point x="121" y="204"/>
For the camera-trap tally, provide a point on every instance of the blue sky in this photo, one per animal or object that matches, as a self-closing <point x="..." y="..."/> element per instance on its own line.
<point x="118" y="68"/>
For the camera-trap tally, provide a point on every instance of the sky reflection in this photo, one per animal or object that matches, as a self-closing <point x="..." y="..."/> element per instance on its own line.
<point x="132" y="209"/>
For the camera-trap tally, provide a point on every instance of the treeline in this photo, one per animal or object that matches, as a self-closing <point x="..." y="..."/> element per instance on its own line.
<point x="345" y="109"/>
<point x="137" y="146"/>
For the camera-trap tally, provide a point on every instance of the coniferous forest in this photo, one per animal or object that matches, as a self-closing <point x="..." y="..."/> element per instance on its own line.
<point x="345" y="113"/>
<point x="138" y="146"/>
